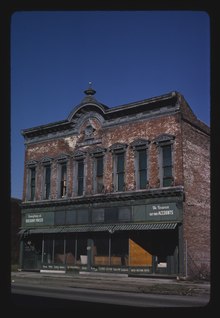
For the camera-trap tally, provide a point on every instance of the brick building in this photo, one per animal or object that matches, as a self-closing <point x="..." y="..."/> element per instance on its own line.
<point x="15" y="225"/>
<point x="121" y="189"/>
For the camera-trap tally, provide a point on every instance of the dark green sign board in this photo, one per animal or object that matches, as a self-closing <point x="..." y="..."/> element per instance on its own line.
<point x="171" y="211"/>
<point x="157" y="212"/>
<point x="38" y="219"/>
<point x="163" y="211"/>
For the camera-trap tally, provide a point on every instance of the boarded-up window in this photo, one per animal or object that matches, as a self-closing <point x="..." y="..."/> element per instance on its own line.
<point x="111" y="215"/>
<point x="60" y="218"/>
<point x="124" y="214"/>
<point x="71" y="217"/>
<point x="82" y="216"/>
<point x="98" y="215"/>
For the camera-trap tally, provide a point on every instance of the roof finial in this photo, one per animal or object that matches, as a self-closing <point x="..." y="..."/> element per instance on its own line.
<point x="90" y="91"/>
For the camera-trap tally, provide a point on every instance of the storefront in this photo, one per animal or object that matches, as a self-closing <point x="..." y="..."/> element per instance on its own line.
<point x="135" y="233"/>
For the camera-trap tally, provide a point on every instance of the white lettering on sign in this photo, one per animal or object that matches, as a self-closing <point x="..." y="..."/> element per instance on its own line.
<point x="160" y="207"/>
<point x="36" y="215"/>
<point x="168" y="212"/>
<point x="161" y="210"/>
<point x="34" y="218"/>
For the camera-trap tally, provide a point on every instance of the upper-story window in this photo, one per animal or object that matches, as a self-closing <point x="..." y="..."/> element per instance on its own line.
<point x="167" y="166"/>
<point x="63" y="179"/>
<point x="80" y="176"/>
<point x="62" y="176"/>
<point x="47" y="173"/>
<point x="98" y="169"/>
<point x="79" y="184"/>
<point x="31" y="180"/>
<point x="118" y="150"/>
<point x="165" y="146"/>
<point x="46" y="178"/>
<point x="120" y="171"/>
<point x="140" y="148"/>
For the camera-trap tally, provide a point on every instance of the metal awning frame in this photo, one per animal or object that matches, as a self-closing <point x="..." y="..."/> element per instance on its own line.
<point x="111" y="228"/>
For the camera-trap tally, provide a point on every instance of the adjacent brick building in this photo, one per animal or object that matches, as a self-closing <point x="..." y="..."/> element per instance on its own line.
<point x="123" y="189"/>
<point x="15" y="225"/>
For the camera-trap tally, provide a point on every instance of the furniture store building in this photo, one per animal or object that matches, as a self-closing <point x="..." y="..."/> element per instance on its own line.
<point x="122" y="189"/>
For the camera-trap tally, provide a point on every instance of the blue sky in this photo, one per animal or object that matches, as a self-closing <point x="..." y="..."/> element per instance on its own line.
<point x="127" y="55"/>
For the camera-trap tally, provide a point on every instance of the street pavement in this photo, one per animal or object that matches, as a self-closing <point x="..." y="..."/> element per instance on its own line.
<point x="114" y="282"/>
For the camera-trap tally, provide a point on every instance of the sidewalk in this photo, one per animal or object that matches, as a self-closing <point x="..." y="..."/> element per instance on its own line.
<point x="114" y="282"/>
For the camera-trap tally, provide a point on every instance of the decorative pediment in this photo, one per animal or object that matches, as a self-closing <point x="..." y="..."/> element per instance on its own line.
<point x="118" y="147"/>
<point x="78" y="154"/>
<point x="89" y="104"/>
<point x="164" y="138"/>
<point x="85" y="113"/>
<point x="46" y="160"/>
<point x="31" y="163"/>
<point x="98" y="151"/>
<point x="139" y="143"/>
<point x="62" y="158"/>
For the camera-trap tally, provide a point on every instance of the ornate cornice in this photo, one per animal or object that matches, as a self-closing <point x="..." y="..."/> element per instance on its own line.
<point x="110" y="197"/>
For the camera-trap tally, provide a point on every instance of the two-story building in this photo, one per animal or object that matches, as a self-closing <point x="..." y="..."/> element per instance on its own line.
<point x="120" y="189"/>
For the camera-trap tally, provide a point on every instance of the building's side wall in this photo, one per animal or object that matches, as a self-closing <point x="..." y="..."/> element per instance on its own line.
<point x="15" y="225"/>
<point x="124" y="133"/>
<point x="196" y="163"/>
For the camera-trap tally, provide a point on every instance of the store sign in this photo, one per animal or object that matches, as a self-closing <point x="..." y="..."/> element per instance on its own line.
<point x="33" y="219"/>
<point x="53" y="267"/>
<point x="163" y="211"/>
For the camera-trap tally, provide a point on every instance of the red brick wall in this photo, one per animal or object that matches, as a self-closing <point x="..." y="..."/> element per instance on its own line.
<point x="191" y="168"/>
<point x="196" y="161"/>
<point x="124" y="133"/>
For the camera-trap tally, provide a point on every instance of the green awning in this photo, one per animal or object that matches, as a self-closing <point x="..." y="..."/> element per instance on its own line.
<point x="111" y="228"/>
<point x="147" y="226"/>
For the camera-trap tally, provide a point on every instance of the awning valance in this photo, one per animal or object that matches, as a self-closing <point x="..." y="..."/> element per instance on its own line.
<point x="143" y="226"/>
<point x="111" y="228"/>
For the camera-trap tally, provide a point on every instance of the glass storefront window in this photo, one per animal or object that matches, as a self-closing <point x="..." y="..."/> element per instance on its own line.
<point x="48" y="250"/>
<point x="70" y="251"/>
<point x="101" y="250"/>
<point x="59" y="256"/>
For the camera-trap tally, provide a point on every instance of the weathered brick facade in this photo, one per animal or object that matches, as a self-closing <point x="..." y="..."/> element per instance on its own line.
<point x="160" y="118"/>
